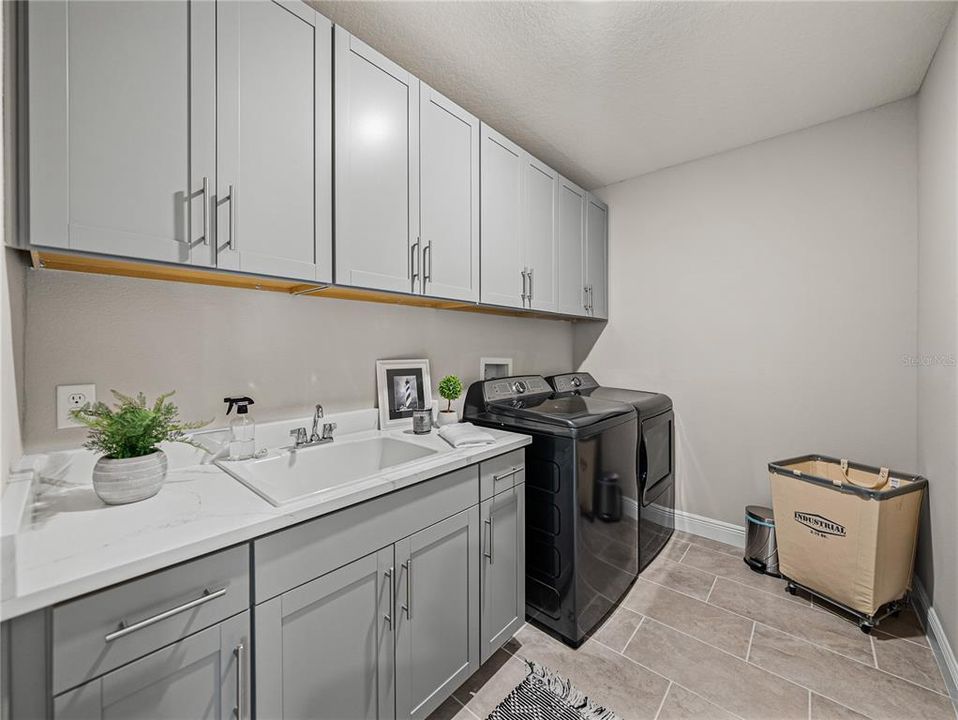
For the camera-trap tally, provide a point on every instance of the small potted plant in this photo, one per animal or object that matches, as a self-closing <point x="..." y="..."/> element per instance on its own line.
<point x="450" y="388"/>
<point x="132" y="466"/>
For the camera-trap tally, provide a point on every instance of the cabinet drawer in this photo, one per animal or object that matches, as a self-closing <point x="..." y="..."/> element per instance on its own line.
<point x="295" y="556"/>
<point x="102" y="631"/>
<point x="501" y="473"/>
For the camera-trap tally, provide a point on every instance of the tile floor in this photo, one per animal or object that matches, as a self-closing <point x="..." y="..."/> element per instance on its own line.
<point x="700" y="635"/>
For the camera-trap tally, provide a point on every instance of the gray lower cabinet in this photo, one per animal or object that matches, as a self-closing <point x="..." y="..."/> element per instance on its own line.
<point x="205" y="675"/>
<point x="437" y="623"/>
<point x="325" y="649"/>
<point x="503" y="599"/>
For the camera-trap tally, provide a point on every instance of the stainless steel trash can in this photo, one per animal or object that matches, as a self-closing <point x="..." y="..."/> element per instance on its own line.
<point x="761" y="548"/>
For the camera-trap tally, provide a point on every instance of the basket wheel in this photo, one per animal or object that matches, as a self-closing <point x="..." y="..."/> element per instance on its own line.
<point x="865" y="627"/>
<point x="791" y="589"/>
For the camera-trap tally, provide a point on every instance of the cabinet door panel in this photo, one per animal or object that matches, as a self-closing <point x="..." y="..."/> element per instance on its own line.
<point x="597" y="257"/>
<point x="377" y="176"/>
<point x="274" y="132"/>
<point x="539" y="189"/>
<point x="202" y="676"/>
<point x="501" y="280"/>
<point x="503" y="568"/>
<point x="325" y="649"/>
<point x="449" y="198"/>
<point x="570" y="249"/>
<point x="437" y="641"/>
<point x="122" y="122"/>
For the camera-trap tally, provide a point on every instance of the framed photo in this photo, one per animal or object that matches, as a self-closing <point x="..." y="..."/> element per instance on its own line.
<point x="492" y="368"/>
<point x="404" y="386"/>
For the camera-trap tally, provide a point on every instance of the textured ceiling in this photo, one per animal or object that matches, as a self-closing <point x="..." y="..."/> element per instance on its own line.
<point x="604" y="91"/>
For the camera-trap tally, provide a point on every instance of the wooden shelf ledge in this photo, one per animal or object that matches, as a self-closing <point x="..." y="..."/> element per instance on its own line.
<point x="47" y="260"/>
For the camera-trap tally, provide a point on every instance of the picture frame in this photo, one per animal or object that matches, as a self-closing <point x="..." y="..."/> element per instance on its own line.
<point x="403" y="386"/>
<point x="491" y="368"/>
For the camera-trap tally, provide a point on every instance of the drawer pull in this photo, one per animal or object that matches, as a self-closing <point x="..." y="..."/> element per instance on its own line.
<point x="503" y="476"/>
<point x="207" y="596"/>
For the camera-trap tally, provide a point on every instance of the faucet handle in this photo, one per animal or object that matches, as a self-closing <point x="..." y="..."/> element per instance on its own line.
<point x="299" y="436"/>
<point x="328" y="429"/>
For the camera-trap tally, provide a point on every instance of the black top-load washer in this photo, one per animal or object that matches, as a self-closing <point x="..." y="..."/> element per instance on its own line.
<point x="581" y="547"/>
<point x="655" y="459"/>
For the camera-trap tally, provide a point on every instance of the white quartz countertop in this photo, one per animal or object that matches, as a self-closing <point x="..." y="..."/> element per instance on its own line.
<point x="61" y="541"/>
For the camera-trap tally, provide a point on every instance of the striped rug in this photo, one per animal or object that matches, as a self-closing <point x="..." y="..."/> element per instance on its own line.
<point x="544" y="695"/>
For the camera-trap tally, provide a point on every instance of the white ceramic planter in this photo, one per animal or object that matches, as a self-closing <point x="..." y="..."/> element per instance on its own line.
<point x="128" y="480"/>
<point x="447" y="417"/>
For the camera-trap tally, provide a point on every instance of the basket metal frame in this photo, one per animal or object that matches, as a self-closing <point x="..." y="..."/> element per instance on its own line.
<point x="866" y="623"/>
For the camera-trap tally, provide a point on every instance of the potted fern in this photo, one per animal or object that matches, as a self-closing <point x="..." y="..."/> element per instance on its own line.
<point x="132" y="466"/>
<point x="450" y="388"/>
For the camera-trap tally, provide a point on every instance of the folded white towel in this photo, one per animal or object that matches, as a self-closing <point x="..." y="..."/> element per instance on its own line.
<point x="465" y="435"/>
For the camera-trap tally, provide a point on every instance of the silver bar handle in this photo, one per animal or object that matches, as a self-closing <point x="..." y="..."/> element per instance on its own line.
<point x="206" y="210"/>
<point x="388" y="576"/>
<point x="207" y="596"/>
<point x="407" y="607"/>
<point x="427" y="267"/>
<point x="414" y="262"/>
<point x="523" y="286"/>
<point x="240" y="653"/>
<point x="503" y="476"/>
<point x="231" y="238"/>
<point x="489" y="554"/>
<point x="531" y="287"/>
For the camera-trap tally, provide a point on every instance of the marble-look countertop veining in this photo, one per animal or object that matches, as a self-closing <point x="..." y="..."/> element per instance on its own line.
<point x="60" y="541"/>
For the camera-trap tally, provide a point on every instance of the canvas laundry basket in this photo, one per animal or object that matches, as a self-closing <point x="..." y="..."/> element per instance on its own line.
<point x="846" y="531"/>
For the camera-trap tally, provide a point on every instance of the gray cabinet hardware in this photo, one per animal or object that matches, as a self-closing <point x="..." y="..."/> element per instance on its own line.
<point x="407" y="606"/>
<point x="231" y="237"/>
<point x="427" y="266"/>
<point x="490" y="526"/>
<point x="414" y="263"/>
<point x="240" y="654"/>
<point x="531" y="289"/>
<point x="206" y="210"/>
<point x="124" y="630"/>
<point x="388" y="616"/>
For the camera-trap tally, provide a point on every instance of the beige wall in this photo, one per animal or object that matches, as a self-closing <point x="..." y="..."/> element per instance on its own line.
<point x="938" y="329"/>
<point x="771" y="291"/>
<point x="208" y="342"/>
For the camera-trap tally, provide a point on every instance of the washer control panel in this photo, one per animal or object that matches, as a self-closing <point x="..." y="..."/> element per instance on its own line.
<point x="515" y="387"/>
<point x="574" y="382"/>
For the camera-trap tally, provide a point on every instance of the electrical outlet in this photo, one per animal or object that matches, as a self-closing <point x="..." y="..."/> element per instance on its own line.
<point x="72" y="397"/>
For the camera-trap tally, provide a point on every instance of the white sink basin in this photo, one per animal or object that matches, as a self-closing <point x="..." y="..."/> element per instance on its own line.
<point x="286" y="476"/>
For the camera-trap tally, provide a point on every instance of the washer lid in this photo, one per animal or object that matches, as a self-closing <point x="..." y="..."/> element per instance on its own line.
<point x="573" y="411"/>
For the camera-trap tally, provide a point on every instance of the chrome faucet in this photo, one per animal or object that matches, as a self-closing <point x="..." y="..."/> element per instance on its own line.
<point x="301" y="439"/>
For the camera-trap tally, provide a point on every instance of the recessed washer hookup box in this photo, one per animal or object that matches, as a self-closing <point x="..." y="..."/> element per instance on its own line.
<point x="845" y="530"/>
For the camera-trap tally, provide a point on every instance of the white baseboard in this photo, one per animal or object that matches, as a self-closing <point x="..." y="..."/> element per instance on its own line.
<point x="725" y="532"/>
<point x="689" y="522"/>
<point x="944" y="653"/>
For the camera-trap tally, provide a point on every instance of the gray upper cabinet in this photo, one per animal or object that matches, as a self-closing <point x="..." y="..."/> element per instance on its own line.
<point x="121" y="144"/>
<point x="539" y="190"/>
<point x="377" y="173"/>
<point x="324" y="650"/>
<point x="570" y="249"/>
<point x="503" y="576"/>
<point x="449" y="198"/>
<point x="437" y="618"/>
<point x="503" y="277"/>
<point x="205" y="675"/>
<point x="274" y="134"/>
<point x="597" y="258"/>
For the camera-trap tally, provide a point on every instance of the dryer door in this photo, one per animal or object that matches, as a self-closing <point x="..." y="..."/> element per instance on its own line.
<point x="656" y="454"/>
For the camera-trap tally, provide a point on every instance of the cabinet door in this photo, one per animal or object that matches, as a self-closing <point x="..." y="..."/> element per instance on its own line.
<point x="503" y="280"/>
<point x="324" y="650"/>
<point x="503" y="574"/>
<point x="274" y="134"/>
<point x="437" y="617"/>
<point x="449" y="198"/>
<point x="205" y="675"/>
<point x="597" y="257"/>
<point x="122" y="109"/>
<point x="570" y="249"/>
<point x="539" y="190"/>
<point x="377" y="173"/>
